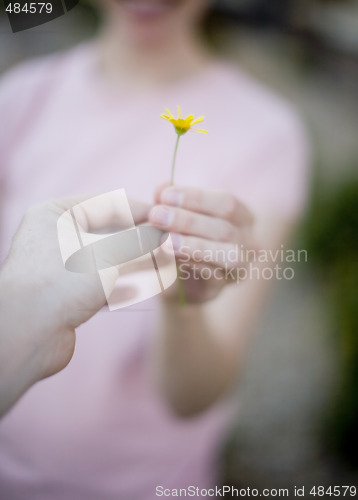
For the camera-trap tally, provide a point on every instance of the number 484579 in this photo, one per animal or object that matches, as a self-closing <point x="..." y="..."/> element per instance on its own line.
<point x="335" y="491"/>
<point x="29" y="8"/>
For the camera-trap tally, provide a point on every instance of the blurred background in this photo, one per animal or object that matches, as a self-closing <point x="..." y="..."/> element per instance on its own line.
<point x="298" y="419"/>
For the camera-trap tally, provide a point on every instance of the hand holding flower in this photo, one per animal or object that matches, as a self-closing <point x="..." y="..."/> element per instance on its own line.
<point x="206" y="227"/>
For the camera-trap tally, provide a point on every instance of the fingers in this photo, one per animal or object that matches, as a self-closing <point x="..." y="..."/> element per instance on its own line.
<point x="210" y="228"/>
<point x="107" y="212"/>
<point x="203" y="250"/>
<point x="209" y="252"/>
<point x="113" y="214"/>
<point x="183" y="221"/>
<point x="212" y="203"/>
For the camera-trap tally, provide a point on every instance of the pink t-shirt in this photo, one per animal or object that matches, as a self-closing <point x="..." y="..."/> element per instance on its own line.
<point x="99" y="429"/>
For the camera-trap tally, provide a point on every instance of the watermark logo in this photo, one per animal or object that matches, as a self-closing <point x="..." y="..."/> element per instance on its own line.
<point x="24" y="15"/>
<point x="142" y="256"/>
<point x="240" y="264"/>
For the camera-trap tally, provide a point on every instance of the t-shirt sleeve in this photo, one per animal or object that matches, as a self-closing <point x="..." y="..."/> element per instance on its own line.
<point x="272" y="175"/>
<point x="280" y="172"/>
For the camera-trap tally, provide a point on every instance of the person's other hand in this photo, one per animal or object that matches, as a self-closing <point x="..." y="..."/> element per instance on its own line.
<point x="41" y="303"/>
<point x="210" y="230"/>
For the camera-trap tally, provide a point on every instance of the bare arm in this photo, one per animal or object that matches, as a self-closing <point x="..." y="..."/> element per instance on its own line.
<point x="201" y="346"/>
<point x="41" y="303"/>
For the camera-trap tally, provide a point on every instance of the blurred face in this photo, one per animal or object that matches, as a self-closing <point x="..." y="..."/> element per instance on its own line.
<point x="154" y="21"/>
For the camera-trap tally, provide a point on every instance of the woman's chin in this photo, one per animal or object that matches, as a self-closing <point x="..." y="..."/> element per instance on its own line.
<point x="142" y="11"/>
<point x="147" y="22"/>
<point x="147" y="11"/>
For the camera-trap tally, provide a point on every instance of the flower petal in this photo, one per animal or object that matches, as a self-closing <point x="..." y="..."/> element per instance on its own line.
<point x="169" y="113"/>
<point x="200" y="130"/>
<point x="179" y="112"/>
<point x="198" y="120"/>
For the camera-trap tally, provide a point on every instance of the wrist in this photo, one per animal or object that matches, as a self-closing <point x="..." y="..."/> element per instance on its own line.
<point x="25" y="325"/>
<point x="177" y="317"/>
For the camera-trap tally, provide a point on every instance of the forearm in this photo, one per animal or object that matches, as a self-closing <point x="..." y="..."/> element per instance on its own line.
<point x="31" y="339"/>
<point x="194" y="366"/>
<point x="201" y="348"/>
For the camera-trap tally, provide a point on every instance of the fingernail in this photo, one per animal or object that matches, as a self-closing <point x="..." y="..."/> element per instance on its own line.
<point x="162" y="216"/>
<point x="172" y="197"/>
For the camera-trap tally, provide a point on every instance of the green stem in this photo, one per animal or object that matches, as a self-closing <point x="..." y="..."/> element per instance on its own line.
<point x="174" y="160"/>
<point x="181" y="290"/>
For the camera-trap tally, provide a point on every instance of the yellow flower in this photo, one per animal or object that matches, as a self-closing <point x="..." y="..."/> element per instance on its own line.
<point x="181" y="125"/>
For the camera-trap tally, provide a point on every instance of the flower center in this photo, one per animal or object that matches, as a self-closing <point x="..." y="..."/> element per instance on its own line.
<point x="181" y="126"/>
